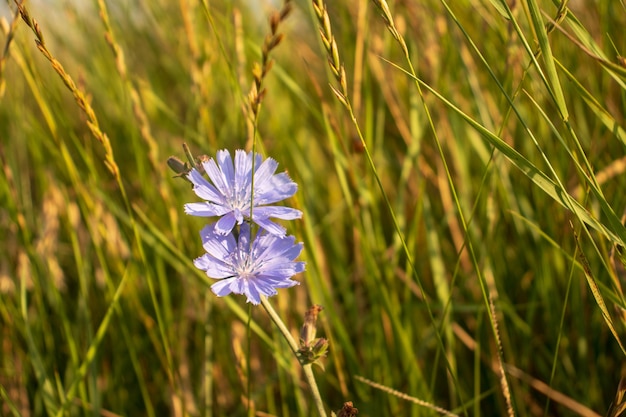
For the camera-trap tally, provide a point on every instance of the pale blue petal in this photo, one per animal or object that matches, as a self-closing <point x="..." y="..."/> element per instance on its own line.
<point x="205" y="209"/>
<point x="279" y="212"/>
<point x="213" y="267"/>
<point x="271" y="246"/>
<point x="270" y="226"/>
<point x="210" y="234"/>
<point x="282" y="272"/>
<point x="219" y="271"/>
<point x="203" y="262"/>
<point x="263" y="173"/>
<point x="278" y="188"/>
<point x="279" y="247"/>
<point x="277" y="283"/>
<point x="257" y="161"/>
<point x="253" y="295"/>
<point x="248" y="288"/>
<point x="223" y="287"/>
<point x="288" y="283"/>
<point x="243" y="170"/>
<point x="239" y="286"/>
<point x="239" y="214"/>
<point x="244" y="238"/>
<point x="225" y="224"/>
<point x="225" y="162"/>
<point x="262" y="287"/>
<point x="216" y="175"/>
<point x="203" y="188"/>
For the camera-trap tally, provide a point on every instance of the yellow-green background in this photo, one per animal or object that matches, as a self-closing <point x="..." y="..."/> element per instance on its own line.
<point x="103" y="313"/>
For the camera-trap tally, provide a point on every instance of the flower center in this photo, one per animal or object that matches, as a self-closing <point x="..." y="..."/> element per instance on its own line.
<point x="238" y="197"/>
<point x="245" y="265"/>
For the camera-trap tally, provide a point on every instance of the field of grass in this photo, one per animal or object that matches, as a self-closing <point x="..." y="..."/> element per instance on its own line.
<point x="460" y="168"/>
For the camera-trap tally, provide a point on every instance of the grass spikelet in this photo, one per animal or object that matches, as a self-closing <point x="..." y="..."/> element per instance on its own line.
<point x="383" y="7"/>
<point x="504" y="383"/>
<point x="260" y="70"/>
<point x="619" y="404"/>
<point x="330" y="44"/>
<point x="80" y="96"/>
<point x="404" y="396"/>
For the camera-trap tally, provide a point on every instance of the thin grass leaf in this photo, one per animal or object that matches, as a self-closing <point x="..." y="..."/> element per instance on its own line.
<point x="602" y="114"/>
<point x="90" y="355"/>
<point x="9" y="403"/>
<point x="50" y="398"/>
<point x="548" y="58"/>
<point x="589" y="46"/>
<point x="597" y="295"/>
<point x="531" y="171"/>
<point x="497" y="4"/>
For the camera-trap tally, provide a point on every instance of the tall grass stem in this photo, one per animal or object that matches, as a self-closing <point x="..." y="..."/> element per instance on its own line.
<point x="293" y="345"/>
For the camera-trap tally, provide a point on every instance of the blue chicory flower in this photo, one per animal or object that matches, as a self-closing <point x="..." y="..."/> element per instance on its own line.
<point x="229" y="194"/>
<point x="255" y="269"/>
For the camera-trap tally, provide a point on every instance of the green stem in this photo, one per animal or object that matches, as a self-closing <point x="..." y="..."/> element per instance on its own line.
<point x="208" y="357"/>
<point x="307" y="368"/>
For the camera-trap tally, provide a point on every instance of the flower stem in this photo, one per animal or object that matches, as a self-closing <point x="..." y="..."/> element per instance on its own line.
<point x="307" y="368"/>
<point x="208" y="357"/>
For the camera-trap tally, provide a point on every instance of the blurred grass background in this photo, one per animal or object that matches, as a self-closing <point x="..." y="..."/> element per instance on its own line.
<point x="102" y="312"/>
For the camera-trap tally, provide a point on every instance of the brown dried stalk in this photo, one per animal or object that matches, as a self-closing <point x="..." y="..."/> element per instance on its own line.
<point x="79" y="95"/>
<point x="260" y="70"/>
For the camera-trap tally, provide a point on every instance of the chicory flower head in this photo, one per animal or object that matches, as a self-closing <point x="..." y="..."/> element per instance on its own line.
<point x="254" y="268"/>
<point x="229" y="193"/>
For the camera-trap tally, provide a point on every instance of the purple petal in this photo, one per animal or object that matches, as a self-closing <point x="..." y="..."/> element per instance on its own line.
<point x="215" y="173"/>
<point x="279" y="212"/>
<point x="243" y="169"/>
<point x="264" y="288"/>
<point x="270" y="226"/>
<point x="205" y="209"/>
<point x="271" y="247"/>
<point x="213" y="267"/>
<point x="244" y="237"/>
<point x="288" y="283"/>
<point x="278" y="188"/>
<point x="203" y="188"/>
<point x="225" y="224"/>
<point x="283" y="272"/>
<point x="252" y="293"/>
<point x="264" y="172"/>
<point x="227" y="169"/>
<point x="222" y="288"/>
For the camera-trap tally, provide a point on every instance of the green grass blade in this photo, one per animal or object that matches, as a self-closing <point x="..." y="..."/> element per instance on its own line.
<point x="548" y="58"/>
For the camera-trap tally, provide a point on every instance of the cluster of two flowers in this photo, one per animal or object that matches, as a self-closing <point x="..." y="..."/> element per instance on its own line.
<point x="245" y="264"/>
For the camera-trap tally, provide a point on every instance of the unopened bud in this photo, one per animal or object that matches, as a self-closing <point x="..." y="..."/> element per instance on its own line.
<point x="309" y="328"/>
<point x="311" y="349"/>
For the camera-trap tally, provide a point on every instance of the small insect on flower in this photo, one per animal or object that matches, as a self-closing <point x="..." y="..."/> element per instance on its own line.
<point x="254" y="268"/>
<point x="183" y="168"/>
<point x="229" y="194"/>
